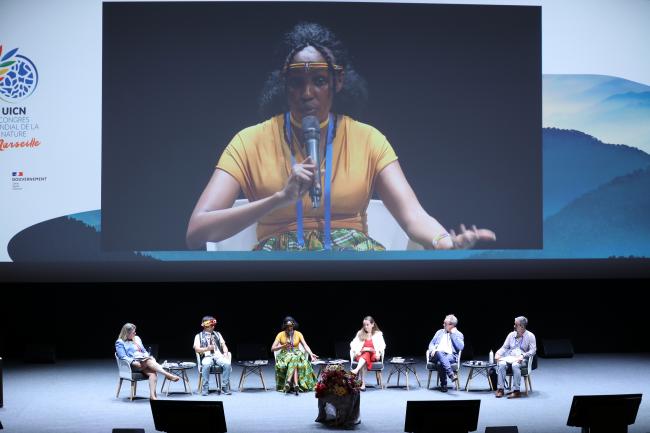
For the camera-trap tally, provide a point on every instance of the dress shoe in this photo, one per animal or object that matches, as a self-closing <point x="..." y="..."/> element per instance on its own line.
<point x="499" y="393"/>
<point x="514" y="394"/>
<point x="443" y="388"/>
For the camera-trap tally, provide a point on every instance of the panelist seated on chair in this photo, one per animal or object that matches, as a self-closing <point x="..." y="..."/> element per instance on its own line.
<point x="212" y="349"/>
<point x="367" y="347"/>
<point x="129" y="348"/>
<point x="444" y="348"/>
<point x="293" y="371"/>
<point x="298" y="202"/>
<point x="518" y="349"/>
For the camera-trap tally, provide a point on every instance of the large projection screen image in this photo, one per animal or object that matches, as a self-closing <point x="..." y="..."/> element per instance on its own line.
<point x="450" y="94"/>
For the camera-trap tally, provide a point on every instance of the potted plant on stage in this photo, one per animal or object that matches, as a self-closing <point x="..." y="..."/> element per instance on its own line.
<point x="338" y="397"/>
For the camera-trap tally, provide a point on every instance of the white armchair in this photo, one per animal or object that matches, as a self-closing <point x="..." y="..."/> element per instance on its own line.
<point x="126" y="373"/>
<point x="382" y="227"/>
<point x="433" y="366"/>
<point x="215" y="369"/>
<point x="377" y="367"/>
<point x="526" y="372"/>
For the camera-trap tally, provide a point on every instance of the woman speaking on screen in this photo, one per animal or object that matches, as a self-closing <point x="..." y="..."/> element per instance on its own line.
<point x="310" y="170"/>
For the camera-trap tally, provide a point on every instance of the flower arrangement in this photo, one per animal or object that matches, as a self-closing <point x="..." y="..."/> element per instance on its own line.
<point x="336" y="381"/>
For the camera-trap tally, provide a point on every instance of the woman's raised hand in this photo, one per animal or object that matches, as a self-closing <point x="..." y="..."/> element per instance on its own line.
<point x="468" y="238"/>
<point x="300" y="180"/>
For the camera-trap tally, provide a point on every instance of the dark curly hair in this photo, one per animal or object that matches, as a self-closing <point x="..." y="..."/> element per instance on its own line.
<point x="289" y="320"/>
<point x="351" y="100"/>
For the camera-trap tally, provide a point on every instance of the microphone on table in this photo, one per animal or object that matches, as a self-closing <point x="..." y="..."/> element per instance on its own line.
<point x="311" y="135"/>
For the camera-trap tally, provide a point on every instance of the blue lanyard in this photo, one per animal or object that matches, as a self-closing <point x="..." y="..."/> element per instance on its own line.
<point x="290" y="339"/>
<point x="328" y="185"/>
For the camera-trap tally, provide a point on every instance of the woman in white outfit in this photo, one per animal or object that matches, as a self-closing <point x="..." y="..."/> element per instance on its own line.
<point x="367" y="347"/>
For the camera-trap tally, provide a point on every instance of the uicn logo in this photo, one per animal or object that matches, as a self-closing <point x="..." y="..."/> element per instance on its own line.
<point x="18" y="76"/>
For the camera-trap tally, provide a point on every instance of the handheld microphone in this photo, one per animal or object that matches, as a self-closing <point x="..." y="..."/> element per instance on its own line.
<point x="311" y="135"/>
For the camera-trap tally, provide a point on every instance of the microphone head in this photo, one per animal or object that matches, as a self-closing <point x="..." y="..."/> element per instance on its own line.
<point x="311" y="127"/>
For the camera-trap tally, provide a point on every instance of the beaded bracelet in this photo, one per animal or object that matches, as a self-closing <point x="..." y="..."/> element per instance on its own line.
<point x="439" y="238"/>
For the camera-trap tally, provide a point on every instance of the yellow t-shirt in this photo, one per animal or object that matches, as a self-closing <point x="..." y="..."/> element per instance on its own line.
<point x="260" y="159"/>
<point x="284" y="339"/>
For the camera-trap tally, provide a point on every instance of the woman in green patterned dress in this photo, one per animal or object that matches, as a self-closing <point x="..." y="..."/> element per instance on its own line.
<point x="293" y="371"/>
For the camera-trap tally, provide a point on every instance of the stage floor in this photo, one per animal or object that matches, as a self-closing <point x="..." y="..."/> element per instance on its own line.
<point x="79" y="397"/>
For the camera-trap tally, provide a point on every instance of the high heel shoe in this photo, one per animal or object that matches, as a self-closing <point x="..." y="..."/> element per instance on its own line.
<point x="296" y="389"/>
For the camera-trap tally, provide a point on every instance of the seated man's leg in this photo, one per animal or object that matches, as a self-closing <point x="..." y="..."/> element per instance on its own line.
<point x="206" y="363"/>
<point x="440" y="371"/>
<point x="444" y="366"/>
<point x="227" y="369"/>
<point x="516" y="376"/>
<point x="501" y="375"/>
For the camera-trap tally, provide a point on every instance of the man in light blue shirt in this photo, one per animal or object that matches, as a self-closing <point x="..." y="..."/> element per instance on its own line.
<point x="518" y="350"/>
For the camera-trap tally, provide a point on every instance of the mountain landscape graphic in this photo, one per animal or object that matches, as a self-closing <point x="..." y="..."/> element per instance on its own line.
<point x="612" y="109"/>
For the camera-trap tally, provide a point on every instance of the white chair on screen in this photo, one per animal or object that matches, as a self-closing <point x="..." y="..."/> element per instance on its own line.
<point x="245" y="240"/>
<point x="382" y="227"/>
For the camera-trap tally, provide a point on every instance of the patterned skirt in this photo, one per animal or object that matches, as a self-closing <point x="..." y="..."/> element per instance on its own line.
<point x="342" y="240"/>
<point x="286" y="363"/>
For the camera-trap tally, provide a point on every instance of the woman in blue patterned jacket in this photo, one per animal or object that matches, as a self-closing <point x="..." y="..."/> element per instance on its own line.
<point x="129" y="347"/>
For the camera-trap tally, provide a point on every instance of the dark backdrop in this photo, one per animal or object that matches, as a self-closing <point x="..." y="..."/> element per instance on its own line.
<point x="83" y="320"/>
<point x="455" y="88"/>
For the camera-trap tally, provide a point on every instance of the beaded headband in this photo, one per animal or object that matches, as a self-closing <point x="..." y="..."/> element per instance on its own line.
<point x="209" y="322"/>
<point x="307" y="66"/>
